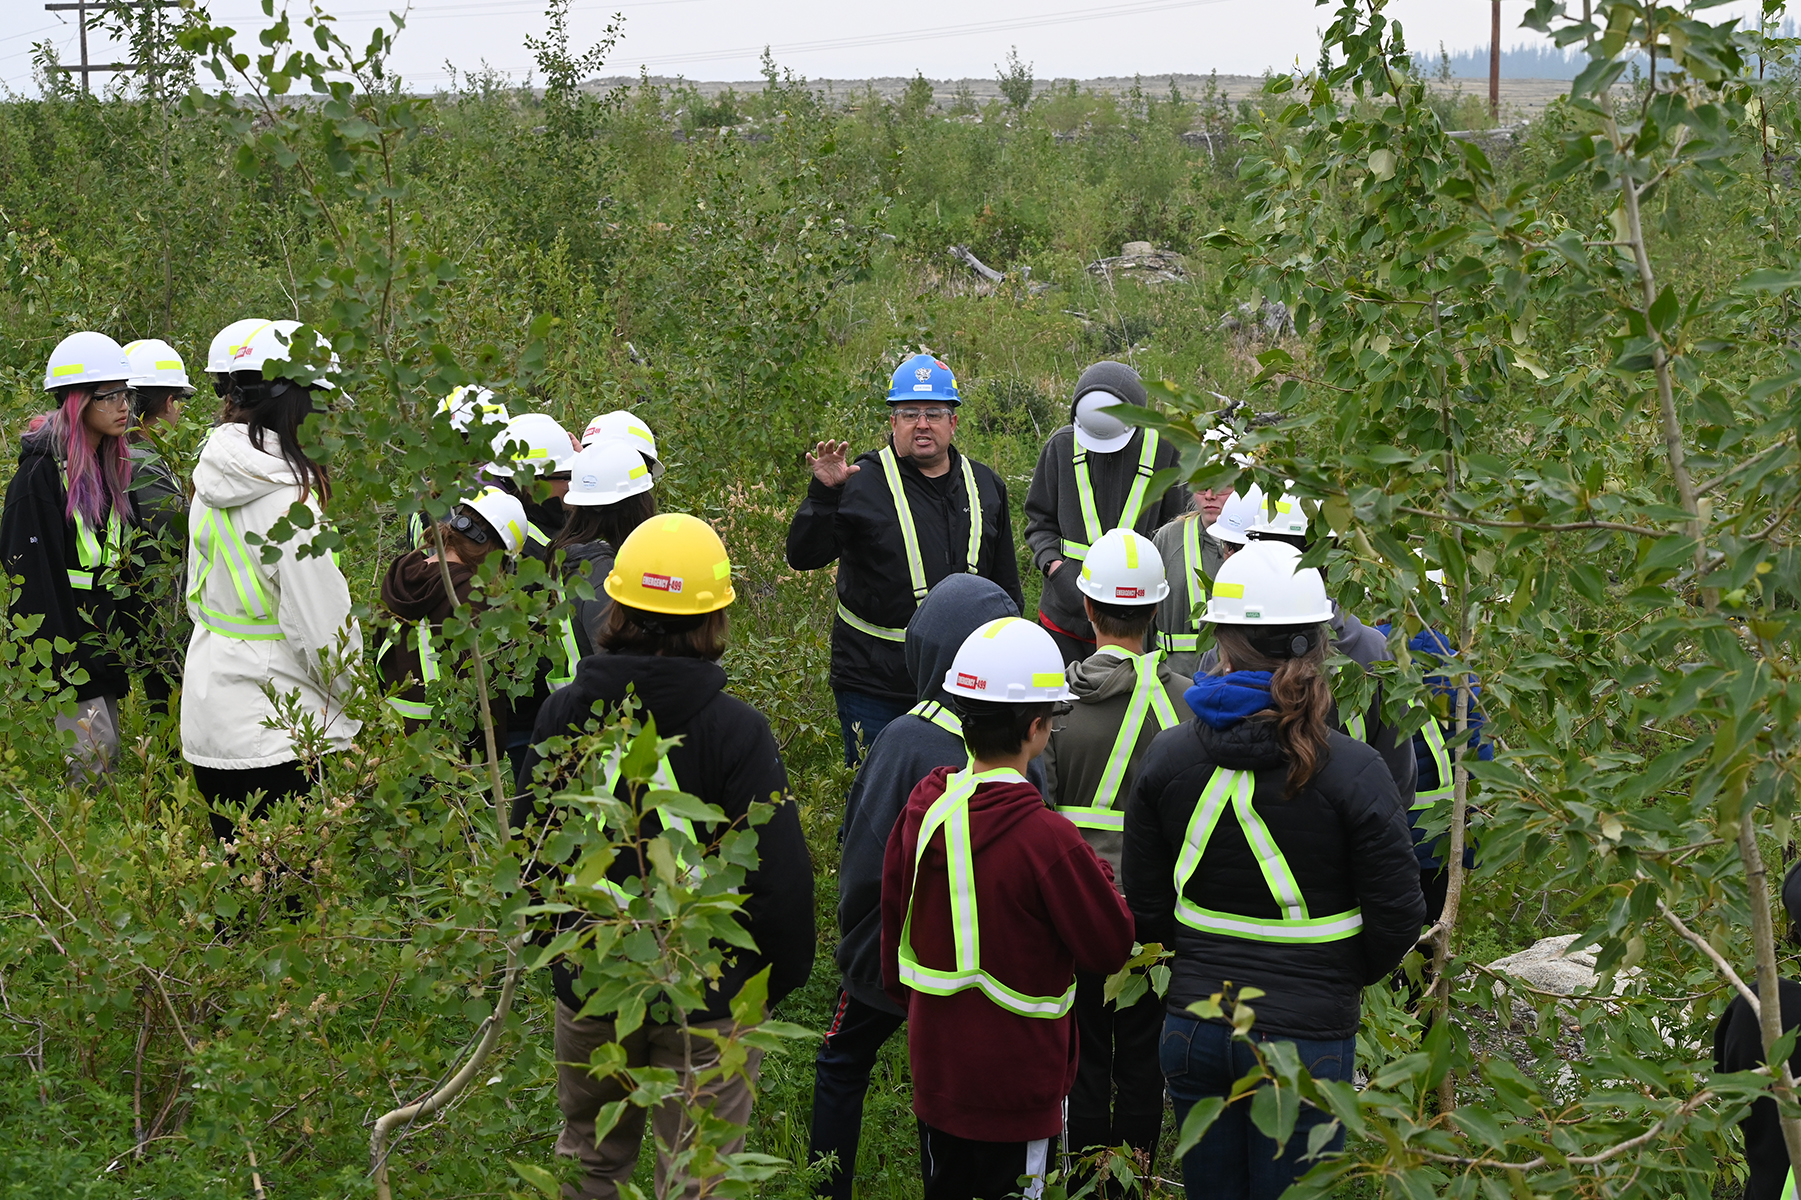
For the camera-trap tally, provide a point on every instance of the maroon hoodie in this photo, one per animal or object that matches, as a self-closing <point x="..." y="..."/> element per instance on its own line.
<point x="1047" y="907"/>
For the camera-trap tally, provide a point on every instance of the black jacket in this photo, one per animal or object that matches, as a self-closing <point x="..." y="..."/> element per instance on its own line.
<point x="1738" y="1046"/>
<point x="38" y="544"/>
<point x="592" y="561"/>
<point x="727" y="757"/>
<point x="907" y="750"/>
<point x="1346" y="839"/>
<point x="856" y="526"/>
<point x="1054" y="513"/>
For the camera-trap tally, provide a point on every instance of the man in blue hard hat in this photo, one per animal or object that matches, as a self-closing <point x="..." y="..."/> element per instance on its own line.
<point x="896" y="521"/>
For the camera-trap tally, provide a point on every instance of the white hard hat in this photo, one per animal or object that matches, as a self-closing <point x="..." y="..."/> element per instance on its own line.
<point x="467" y="402"/>
<point x="622" y="424"/>
<point x="1285" y="518"/>
<point x="229" y="341"/>
<point x="537" y="439"/>
<point x="271" y="343"/>
<point x="1236" y="516"/>
<point x="1098" y="430"/>
<point x="504" y="515"/>
<point x="1261" y="585"/>
<point x="155" y="364"/>
<point x="85" y="357"/>
<point x="606" y="473"/>
<point x="1123" y="567"/>
<point x="1008" y="661"/>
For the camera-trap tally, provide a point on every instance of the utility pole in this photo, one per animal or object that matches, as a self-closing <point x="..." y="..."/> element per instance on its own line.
<point x="81" y="9"/>
<point x="1494" y="60"/>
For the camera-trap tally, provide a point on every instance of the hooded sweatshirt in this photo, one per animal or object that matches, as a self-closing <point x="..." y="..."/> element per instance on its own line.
<point x="1187" y="597"/>
<point x="1045" y="909"/>
<point x="1343" y="834"/>
<point x="413" y="590"/>
<point x="856" y="526"/>
<point x="38" y="544"/>
<point x="728" y="757"/>
<point x="1080" y="751"/>
<point x="222" y="702"/>
<point x="908" y="749"/>
<point x="1054" y="506"/>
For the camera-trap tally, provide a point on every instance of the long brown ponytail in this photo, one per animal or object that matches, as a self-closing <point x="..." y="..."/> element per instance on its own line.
<point x="1299" y="688"/>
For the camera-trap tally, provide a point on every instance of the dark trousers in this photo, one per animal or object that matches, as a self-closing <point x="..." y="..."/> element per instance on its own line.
<point x="840" y="1080"/>
<point x="232" y="790"/>
<point x="1234" y="1160"/>
<point x="1118" y="1094"/>
<point x="960" y="1169"/>
<point x="861" y="716"/>
<point x="1073" y="649"/>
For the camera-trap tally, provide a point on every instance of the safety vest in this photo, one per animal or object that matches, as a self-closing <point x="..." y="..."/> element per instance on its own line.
<point x="1296" y="924"/>
<point x="938" y="715"/>
<point x="951" y="810"/>
<point x="428" y="672"/>
<point x="662" y="780"/>
<point x="1355" y="728"/>
<point x="93" y="554"/>
<point x="1148" y="699"/>
<point x="1193" y="576"/>
<point x="1788" y="1186"/>
<point x="562" y="676"/>
<point x="214" y="544"/>
<point x="916" y="568"/>
<point x="1128" y="515"/>
<point x="1441" y="759"/>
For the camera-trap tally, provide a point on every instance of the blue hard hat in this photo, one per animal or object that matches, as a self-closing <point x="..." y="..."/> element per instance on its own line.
<point x="923" y="377"/>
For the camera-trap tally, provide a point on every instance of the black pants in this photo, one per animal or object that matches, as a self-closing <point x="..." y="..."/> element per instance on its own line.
<point x="840" y="1081"/>
<point x="1118" y="1094"/>
<point x="960" y="1169"/>
<point x="231" y="790"/>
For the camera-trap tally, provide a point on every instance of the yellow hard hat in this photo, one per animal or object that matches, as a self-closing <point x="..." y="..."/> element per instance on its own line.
<point x="674" y="564"/>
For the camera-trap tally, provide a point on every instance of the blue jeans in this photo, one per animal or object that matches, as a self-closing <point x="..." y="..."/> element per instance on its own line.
<point x="862" y="716"/>
<point x="1234" y="1160"/>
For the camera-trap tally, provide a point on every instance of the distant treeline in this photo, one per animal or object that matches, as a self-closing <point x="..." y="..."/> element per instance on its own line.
<point x="1526" y="61"/>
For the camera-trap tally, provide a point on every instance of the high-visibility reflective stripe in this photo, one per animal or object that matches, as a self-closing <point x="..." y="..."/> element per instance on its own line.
<point x="1194" y="579"/>
<point x="81" y="579"/>
<point x="93" y="554"/>
<point x="884" y="632"/>
<point x="664" y="779"/>
<point x="1788" y="1185"/>
<point x="1355" y="727"/>
<point x="938" y="715"/>
<point x="1179" y="643"/>
<point x="533" y="533"/>
<point x="916" y="569"/>
<point x="416" y="709"/>
<point x="1296" y="925"/>
<point x="1128" y="515"/>
<point x="571" y="655"/>
<point x="1441" y="759"/>
<point x="428" y="654"/>
<point x="415" y="530"/>
<point x="951" y="811"/>
<point x="1148" y="699"/>
<point x="213" y="541"/>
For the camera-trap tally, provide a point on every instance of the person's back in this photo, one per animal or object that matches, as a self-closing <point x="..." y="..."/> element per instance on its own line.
<point x="1738" y="1046"/>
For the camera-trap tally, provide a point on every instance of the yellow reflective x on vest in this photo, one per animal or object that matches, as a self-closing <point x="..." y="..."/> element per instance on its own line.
<point x="1295" y="924"/>
<point x="664" y="780"/>
<point x="1194" y="583"/>
<point x="938" y="715"/>
<point x="1128" y="515"/>
<point x="951" y="811"/>
<point x="93" y="554"/>
<point x="428" y="672"/>
<point x="1148" y="699"/>
<point x="916" y="567"/>
<point x="563" y="676"/>
<point x="214" y="544"/>
<point x="1441" y="759"/>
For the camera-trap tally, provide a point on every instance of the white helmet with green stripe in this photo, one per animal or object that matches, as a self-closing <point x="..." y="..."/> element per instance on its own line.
<point x="1264" y="584"/>
<point x="606" y="473"/>
<point x="84" y="358"/>
<point x="155" y="364"/>
<point x="535" y="439"/>
<point x="1123" y="568"/>
<point x="1008" y="661"/>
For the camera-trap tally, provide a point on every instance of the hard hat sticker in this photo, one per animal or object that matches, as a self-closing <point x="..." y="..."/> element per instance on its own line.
<point x="966" y="680"/>
<point x="1127" y="593"/>
<point x="663" y="583"/>
<point x="922" y="374"/>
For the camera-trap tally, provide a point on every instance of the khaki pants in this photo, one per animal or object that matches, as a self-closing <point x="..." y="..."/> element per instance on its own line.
<point x="96" y="728"/>
<point x="580" y="1096"/>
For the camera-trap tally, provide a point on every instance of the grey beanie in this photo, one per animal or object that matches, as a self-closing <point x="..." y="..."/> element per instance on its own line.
<point x="1110" y="376"/>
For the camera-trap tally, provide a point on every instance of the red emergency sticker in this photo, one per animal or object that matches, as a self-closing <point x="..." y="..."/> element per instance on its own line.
<point x="1127" y="593"/>
<point x="970" y="681"/>
<point x="663" y="583"/>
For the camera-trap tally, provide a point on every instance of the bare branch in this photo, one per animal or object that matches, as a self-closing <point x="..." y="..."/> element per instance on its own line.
<point x="1538" y="526"/>
<point x="1700" y="943"/>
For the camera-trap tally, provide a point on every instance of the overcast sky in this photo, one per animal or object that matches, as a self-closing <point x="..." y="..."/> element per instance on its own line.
<point x="832" y="39"/>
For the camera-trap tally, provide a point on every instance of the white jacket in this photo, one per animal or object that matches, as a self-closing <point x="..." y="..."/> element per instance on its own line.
<point x="222" y="701"/>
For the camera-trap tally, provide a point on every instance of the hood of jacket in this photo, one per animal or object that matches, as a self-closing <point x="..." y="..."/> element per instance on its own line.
<point x="414" y="587"/>
<point x="1101" y="676"/>
<point x="232" y="472"/>
<point x="1109" y="376"/>
<point x="37" y="443"/>
<point x="672" y="690"/>
<point x="1248" y="745"/>
<point x="957" y="607"/>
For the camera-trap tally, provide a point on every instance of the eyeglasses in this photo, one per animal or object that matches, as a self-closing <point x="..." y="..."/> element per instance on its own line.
<point x="117" y="398"/>
<point x="934" y="416"/>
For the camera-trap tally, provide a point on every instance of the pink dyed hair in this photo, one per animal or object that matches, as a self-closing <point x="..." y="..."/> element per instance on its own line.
<point x="98" y="469"/>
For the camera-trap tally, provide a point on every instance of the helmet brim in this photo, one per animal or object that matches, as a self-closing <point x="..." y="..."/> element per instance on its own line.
<point x="1102" y="445"/>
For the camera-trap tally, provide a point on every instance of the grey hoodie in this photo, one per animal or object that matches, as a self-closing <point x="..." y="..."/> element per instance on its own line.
<point x="1078" y="753"/>
<point x="1176" y="614"/>
<point x="907" y="750"/>
<point x="1054" y="507"/>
